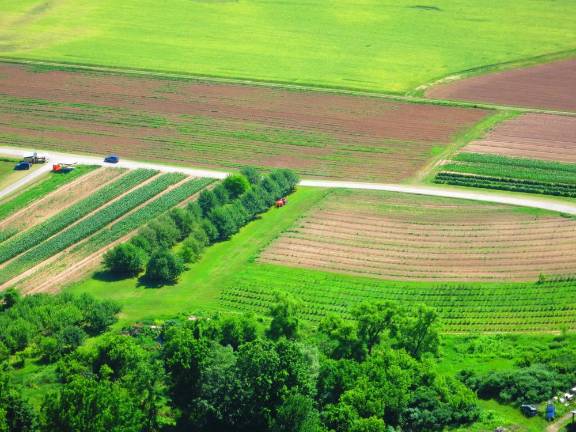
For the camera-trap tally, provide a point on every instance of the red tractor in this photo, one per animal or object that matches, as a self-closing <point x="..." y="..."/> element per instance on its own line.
<point x="281" y="202"/>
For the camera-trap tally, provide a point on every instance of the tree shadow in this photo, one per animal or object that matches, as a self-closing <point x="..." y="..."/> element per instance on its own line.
<point x="145" y="283"/>
<point x="105" y="276"/>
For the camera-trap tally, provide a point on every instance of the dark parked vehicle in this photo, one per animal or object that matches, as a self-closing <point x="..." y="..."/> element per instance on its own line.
<point x="20" y="166"/>
<point x="112" y="159"/>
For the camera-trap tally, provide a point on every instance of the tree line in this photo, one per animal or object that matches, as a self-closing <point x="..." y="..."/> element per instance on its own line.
<point x="218" y="214"/>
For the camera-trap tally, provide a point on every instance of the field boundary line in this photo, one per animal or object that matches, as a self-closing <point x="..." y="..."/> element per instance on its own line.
<point x="278" y="85"/>
<point x="494" y="68"/>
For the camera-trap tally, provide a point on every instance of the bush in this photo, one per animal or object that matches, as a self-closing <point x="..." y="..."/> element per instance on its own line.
<point x="191" y="250"/>
<point x="236" y="185"/>
<point x="167" y="233"/>
<point x="184" y="221"/>
<point x="251" y="174"/>
<point x="225" y="220"/>
<point x="163" y="267"/>
<point x="208" y="202"/>
<point x="125" y="259"/>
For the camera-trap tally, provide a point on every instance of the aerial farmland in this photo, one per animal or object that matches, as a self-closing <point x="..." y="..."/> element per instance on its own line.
<point x="244" y="215"/>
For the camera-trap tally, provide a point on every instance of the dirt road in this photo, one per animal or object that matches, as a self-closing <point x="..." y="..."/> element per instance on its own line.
<point x="24" y="180"/>
<point x="439" y="191"/>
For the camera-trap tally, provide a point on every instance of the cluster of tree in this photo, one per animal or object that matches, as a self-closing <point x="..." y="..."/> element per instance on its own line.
<point x="541" y="373"/>
<point x="532" y="384"/>
<point x="50" y="325"/>
<point x="241" y="374"/>
<point x="217" y="215"/>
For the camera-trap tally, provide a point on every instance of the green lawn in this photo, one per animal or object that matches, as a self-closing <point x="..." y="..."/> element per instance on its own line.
<point x="6" y="169"/>
<point x="382" y="45"/>
<point x="199" y="287"/>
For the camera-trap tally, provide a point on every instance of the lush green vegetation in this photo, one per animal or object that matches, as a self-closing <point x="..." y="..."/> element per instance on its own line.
<point x="513" y="174"/>
<point x="88" y="225"/>
<point x="52" y="182"/>
<point x="6" y="167"/>
<point x="392" y="46"/>
<point x="240" y="374"/>
<point x="144" y="214"/>
<point x="37" y="234"/>
<point x="463" y="306"/>
<point x="218" y="214"/>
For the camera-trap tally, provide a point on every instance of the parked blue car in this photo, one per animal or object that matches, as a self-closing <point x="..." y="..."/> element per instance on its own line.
<point x="112" y="159"/>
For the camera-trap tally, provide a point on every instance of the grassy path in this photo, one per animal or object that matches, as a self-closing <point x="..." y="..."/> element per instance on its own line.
<point x="199" y="287"/>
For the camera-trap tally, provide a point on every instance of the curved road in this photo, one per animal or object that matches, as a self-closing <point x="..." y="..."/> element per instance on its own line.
<point x="440" y="191"/>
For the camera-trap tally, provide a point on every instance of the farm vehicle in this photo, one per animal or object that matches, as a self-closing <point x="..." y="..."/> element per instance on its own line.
<point x="28" y="161"/>
<point x="62" y="168"/>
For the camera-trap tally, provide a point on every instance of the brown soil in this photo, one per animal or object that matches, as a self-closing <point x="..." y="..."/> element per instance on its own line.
<point x="533" y="136"/>
<point x="224" y="125"/>
<point x="59" y="200"/>
<point x="445" y="243"/>
<point x="550" y="86"/>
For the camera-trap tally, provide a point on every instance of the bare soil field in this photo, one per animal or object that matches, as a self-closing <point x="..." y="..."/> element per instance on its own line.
<point x="398" y="237"/>
<point x="222" y="125"/>
<point x="551" y="86"/>
<point x="532" y="136"/>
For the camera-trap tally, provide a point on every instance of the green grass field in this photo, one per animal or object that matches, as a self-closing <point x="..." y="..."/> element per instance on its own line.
<point x="390" y="46"/>
<point x="228" y="279"/>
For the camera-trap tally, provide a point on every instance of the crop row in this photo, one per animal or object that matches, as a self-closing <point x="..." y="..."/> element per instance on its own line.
<point x="529" y="164"/>
<point x="145" y="214"/>
<point x="46" y="186"/>
<point x="463" y="307"/>
<point x="88" y="226"/>
<point x="500" y="183"/>
<point x="27" y="239"/>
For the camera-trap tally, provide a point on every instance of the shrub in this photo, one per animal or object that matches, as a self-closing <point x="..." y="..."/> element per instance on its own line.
<point x="167" y="233"/>
<point x="125" y="259"/>
<point x="225" y="221"/>
<point x="207" y="202"/>
<point x="236" y="185"/>
<point x="251" y="174"/>
<point x="191" y="250"/>
<point x="163" y="267"/>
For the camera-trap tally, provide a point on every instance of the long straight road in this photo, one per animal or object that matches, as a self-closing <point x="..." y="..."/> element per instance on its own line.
<point x="439" y="191"/>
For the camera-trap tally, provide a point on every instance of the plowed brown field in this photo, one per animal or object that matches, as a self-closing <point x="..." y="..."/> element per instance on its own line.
<point x="550" y="86"/>
<point x="390" y="236"/>
<point x="222" y="125"/>
<point x="532" y="136"/>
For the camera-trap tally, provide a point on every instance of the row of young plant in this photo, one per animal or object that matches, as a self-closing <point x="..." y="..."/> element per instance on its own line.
<point x="37" y="234"/>
<point x="531" y="165"/>
<point x="218" y="214"/>
<point x="499" y="183"/>
<point x="472" y="306"/>
<point x="144" y="214"/>
<point x="88" y="226"/>
<point x="52" y="182"/>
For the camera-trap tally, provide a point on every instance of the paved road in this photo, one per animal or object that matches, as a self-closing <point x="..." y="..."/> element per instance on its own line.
<point x="440" y="191"/>
<point x="24" y="180"/>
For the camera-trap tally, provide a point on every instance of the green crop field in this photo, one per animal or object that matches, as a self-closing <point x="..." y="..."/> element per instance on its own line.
<point x="512" y="174"/>
<point x="390" y="46"/>
<point x="227" y="279"/>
